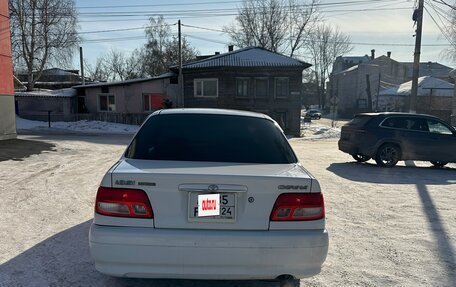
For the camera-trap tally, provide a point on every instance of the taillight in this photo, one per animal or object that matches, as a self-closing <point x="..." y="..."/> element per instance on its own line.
<point x="123" y="202"/>
<point x="298" y="207"/>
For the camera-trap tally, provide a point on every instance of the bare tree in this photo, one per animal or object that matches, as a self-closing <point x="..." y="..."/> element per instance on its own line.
<point x="99" y="71"/>
<point x="116" y="66"/>
<point x="450" y="28"/>
<point x="161" y="49"/>
<point x="325" y="43"/>
<point x="43" y="32"/>
<point x="154" y="58"/>
<point x="277" y="25"/>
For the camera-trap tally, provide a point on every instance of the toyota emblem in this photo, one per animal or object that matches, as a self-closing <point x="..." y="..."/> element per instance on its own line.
<point x="213" y="188"/>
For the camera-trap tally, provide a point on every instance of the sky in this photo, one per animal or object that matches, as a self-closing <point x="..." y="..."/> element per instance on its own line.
<point x="383" y="25"/>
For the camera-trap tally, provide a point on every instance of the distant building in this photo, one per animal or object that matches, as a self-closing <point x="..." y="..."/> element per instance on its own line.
<point x="344" y="62"/>
<point x="353" y="90"/>
<point x="129" y="101"/>
<point x="53" y="79"/>
<point x="431" y="69"/>
<point x="7" y="116"/>
<point x="435" y="97"/>
<point x="36" y="105"/>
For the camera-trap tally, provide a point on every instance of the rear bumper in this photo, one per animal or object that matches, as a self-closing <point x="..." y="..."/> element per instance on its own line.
<point x="352" y="148"/>
<point x="207" y="254"/>
<point x="347" y="147"/>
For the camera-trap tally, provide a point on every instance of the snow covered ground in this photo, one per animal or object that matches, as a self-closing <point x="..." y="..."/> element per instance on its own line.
<point x="388" y="226"/>
<point x="79" y="126"/>
<point x="318" y="129"/>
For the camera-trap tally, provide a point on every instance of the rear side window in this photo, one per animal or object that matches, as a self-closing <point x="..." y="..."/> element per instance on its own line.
<point x="215" y="138"/>
<point x="406" y="123"/>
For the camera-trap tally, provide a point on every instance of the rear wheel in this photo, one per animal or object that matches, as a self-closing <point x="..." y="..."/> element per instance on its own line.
<point x="388" y="155"/>
<point x="439" y="163"/>
<point x="360" y="157"/>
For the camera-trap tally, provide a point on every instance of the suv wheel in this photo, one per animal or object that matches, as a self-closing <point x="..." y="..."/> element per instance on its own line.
<point x="439" y="163"/>
<point x="360" y="157"/>
<point x="388" y="155"/>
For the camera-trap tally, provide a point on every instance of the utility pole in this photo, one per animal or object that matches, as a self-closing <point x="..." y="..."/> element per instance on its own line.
<point x="81" y="60"/>
<point x="180" y="77"/>
<point x="378" y="89"/>
<point x="369" y="94"/>
<point x="418" y="17"/>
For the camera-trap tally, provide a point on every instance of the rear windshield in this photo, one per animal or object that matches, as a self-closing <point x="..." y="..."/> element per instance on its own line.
<point x="359" y="121"/>
<point x="215" y="138"/>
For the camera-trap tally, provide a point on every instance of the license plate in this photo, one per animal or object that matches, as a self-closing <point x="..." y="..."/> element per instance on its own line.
<point x="227" y="208"/>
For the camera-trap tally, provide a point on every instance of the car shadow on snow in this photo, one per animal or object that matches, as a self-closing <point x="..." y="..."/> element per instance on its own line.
<point x="64" y="260"/>
<point x="371" y="173"/>
<point x="19" y="149"/>
<point x="420" y="177"/>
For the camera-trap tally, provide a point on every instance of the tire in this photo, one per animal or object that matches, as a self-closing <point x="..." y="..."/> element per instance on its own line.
<point x="439" y="163"/>
<point x="360" y="157"/>
<point x="388" y="155"/>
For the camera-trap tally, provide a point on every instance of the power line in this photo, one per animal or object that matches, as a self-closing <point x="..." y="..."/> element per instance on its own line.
<point x="206" y="39"/>
<point x="438" y="26"/>
<point x="439" y="15"/>
<point x="123" y="29"/>
<point x="445" y="3"/>
<point x="339" y="3"/>
<point x="203" y="28"/>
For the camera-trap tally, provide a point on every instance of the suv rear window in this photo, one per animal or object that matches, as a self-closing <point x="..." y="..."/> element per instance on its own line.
<point x="207" y="137"/>
<point x="359" y="121"/>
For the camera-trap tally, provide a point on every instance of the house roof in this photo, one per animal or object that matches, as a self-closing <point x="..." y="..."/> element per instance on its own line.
<point x="432" y="69"/>
<point x="127" y="82"/>
<point x="356" y="59"/>
<point x="60" y="72"/>
<point x="62" y="93"/>
<point x="247" y="57"/>
<point x="425" y="84"/>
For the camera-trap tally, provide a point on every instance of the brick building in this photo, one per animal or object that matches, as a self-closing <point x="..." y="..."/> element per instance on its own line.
<point x="7" y="115"/>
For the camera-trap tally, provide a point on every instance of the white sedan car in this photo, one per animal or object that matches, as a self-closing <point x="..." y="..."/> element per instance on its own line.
<point x="209" y="194"/>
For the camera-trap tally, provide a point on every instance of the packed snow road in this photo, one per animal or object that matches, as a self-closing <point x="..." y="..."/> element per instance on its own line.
<point x="388" y="227"/>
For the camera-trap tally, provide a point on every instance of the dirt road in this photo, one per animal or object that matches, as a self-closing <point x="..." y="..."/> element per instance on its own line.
<point x="388" y="227"/>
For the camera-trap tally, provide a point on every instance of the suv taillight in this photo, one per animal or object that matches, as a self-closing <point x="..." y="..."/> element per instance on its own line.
<point x="298" y="207"/>
<point x="123" y="202"/>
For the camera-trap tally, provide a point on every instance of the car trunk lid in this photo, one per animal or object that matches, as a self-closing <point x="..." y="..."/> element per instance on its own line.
<point x="173" y="188"/>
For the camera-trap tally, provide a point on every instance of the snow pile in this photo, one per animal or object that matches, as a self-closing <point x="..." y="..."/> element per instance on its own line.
<point x="79" y="126"/>
<point x="318" y="131"/>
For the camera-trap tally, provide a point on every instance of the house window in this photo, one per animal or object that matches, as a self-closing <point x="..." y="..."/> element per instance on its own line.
<point x="261" y="87"/>
<point x="281" y="87"/>
<point x="242" y="87"/>
<point x="152" y="102"/>
<point x="107" y="103"/>
<point x="205" y="87"/>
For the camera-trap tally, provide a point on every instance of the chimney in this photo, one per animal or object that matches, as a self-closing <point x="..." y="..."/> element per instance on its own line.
<point x="372" y="54"/>
<point x="217" y="53"/>
<point x="230" y="48"/>
<point x="388" y="54"/>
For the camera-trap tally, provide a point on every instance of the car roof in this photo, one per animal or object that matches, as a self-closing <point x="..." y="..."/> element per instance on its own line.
<point x="396" y="114"/>
<point x="211" y="112"/>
